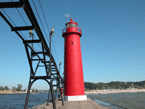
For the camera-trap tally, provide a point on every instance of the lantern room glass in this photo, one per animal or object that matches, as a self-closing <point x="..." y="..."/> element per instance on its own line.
<point x="71" y="25"/>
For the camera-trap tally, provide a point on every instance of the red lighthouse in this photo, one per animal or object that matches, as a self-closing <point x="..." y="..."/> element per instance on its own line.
<point x="73" y="69"/>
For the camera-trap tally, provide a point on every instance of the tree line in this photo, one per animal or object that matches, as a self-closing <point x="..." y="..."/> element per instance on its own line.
<point x="114" y="85"/>
<point x="34" y="90"/>
<point x="18" y="88"/>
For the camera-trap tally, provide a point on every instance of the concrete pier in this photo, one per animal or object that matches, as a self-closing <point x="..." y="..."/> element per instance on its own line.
<point x="87" y="104"/>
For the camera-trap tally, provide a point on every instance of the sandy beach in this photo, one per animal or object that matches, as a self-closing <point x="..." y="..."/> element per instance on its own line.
<point x="115" y="91"/>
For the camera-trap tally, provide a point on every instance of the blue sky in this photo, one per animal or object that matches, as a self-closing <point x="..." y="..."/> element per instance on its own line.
<point x="112" y="42"/>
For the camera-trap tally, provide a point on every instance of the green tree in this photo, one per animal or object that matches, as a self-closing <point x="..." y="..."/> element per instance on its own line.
<point x="6" y="88"/>
<point x="114" y="85"/>
<point x="106" y="86"/>
<point x="100" y="85"/>
<point x="89" y="85"/>
<point x="143" y="86"/>
<point x="86" y="89"/>
<point x="33" y="90"/>
<point x="13" y="88"/>
<point x="1" y="88"/>
<point x="36" y="90"/>
<point x="19" y="88"/>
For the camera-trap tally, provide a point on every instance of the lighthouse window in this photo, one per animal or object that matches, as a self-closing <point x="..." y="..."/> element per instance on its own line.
<point x="71" y="25"/>
<point x="71" y="42"/>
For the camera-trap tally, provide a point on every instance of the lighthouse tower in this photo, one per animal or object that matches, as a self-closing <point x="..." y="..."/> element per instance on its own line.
<point x="73" y="69"/>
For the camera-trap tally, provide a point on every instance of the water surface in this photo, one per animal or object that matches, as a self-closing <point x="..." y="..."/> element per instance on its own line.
<point x="17" y="101"/>
<point x="134" y="100"/>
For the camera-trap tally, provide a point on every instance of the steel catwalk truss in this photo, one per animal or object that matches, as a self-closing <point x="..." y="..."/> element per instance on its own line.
<point x="50" y="65"/>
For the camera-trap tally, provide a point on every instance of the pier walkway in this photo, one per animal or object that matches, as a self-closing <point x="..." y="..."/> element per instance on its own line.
<point x="88" y="104"/>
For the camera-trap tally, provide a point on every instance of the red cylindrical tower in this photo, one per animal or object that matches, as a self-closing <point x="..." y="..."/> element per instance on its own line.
<point x="73" y="70"/>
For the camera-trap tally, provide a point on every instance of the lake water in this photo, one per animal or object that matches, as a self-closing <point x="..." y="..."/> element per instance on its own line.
<point x="121" y="100"/>
<point x="17" y="101"/>
<point x="115" y="101"/>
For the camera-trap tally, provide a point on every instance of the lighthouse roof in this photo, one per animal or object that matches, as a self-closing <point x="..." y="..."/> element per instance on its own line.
<point x="71" y="22"/>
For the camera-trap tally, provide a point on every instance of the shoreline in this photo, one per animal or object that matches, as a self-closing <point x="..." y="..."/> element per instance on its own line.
<point x="114" y="91"/>
<point x="86" y="92"/>
<point x="11" y="92"/>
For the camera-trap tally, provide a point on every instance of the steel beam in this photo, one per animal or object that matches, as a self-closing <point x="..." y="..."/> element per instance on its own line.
<point x="40" y="77"/>
<point x="36" y="59"/>
<point x="36" y="53"/>
<point x="55" y="85"/>
<point x="22" y="28"/>
<point x="46" y="51"/>
<point x="28" y="93"/>
<point x="6" y="20"/>
<point x="44" y="59"/>
<point x="39" y="53"/>
<point x="11" y="4"/>
<point x="32" y="18"/>
<point x="54" y="73"/>
<point x="37" y="67"/>
<point x="29" y="60"/>
<point x="32" y="41"/>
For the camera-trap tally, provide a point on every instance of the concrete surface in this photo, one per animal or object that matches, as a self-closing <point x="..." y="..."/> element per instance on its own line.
<point x="87" y="104"/>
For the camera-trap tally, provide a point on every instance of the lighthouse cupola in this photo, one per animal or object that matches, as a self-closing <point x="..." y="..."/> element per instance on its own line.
<point x="71" y="27"/>
<point x="71" y="24"/>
